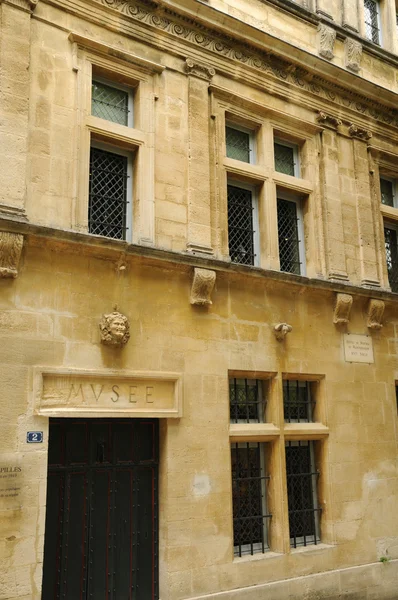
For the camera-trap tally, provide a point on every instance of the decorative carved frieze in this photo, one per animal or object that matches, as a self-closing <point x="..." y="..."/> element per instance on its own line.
<point x="264" y="62"/>
<point x="327" y="38"/>
<point x="281" y="330"/>
<point x="358" y="132"/>
<point x="328" y="120"/>
<point x="353" y="54"/>
<point x="202" y="286"/>
<point x="375" y="314"/>
<point x="342" y="309"/>
<point x="115" y="329"/>
<point x="199" y="70"/>
<point x="10" y="253"/>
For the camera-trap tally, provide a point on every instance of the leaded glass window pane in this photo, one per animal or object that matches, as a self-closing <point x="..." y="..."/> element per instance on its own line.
<point x="240" y="225"/>
<point x="391" y="245"/>
<point x="248" y="498"/>
<point x="387" y="192"/>
<point x="302" y="494"/>
<point x="284" y="159"/>
<point x="288" y="236"/>
<point x="108" y="194"/>
<point x="109" y="103"/>
<point x="238" y="144"/>
<point x="372" y="30"/>
<point x="246" y="400"/>
<point x="297" y="401"/>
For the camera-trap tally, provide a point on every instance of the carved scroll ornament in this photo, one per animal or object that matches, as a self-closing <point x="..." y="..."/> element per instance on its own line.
<point x="327" y="38"/>
<point x="329" y="120"/>
<point x="199" y="70"/>
<point x="10" y="253"/>
<point x="281" y="330"/>
<point x="342" y="309"/>
<point x="375" y="314"/>
<point x="353" y="54"/>
<point x="202" y="286"/>
<point x="358" y="132"/>
<point x="115" y="329"/>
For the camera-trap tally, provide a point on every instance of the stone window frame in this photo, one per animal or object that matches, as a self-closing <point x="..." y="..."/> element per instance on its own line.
<point x="274" y="431"/>
<point x="266" y="124"/>
<point x="92" y="59"/>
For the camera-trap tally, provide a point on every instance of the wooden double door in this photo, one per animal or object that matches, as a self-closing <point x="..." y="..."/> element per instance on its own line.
<point x="101" y="536"/>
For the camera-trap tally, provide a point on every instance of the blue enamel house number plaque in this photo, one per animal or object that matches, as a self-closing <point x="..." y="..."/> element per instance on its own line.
<point x="34" y="437"/>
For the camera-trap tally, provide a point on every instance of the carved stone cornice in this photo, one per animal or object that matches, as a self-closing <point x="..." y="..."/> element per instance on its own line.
<point x="199" y="70"/>
<point x="10" y="253"/>
<point x="328" y="120"/>
<point x="189" y="31"/>
<point x="358" y="132"/>
<point x="28" y="5"/>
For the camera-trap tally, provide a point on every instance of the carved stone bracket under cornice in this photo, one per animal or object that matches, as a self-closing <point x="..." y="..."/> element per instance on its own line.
<point x="199" y="70"/>
<point x="328" y="120"/>
<point x="353" y="54"/>
<point x="281" y="330"/>
<point x="375" y="314"/>
<point x="342" y="309"/>
<point x="29" y="5"/>
<point x="358" y="132"/>
<point x="202" y="286"/>
<point x="327" y="38"/>
<point x="10" y="253"/>
<point x="189" y="32"/>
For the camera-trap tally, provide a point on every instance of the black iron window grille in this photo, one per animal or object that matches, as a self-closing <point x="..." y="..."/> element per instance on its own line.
<point x="284" y="159"/>
<point x="298" y="403"/>
<point x="241" y="225"/>
<point x="288" y="237"/>
<point x="249" y="486"/>
<point x="302" y="480"/>
<point x="372" y="28"/>
<point x="108" y="194"/>
<point x="391" y="245"/>
<point x="246" y="401"/>
<point x="387" y="192"/>
<point x="109" y="103"/>
<point x="238" y="144"/>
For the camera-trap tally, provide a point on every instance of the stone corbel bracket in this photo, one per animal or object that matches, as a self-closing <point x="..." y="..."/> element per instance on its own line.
<point x="358" y="132"/>
<point x="202" y="286"/>
<point x="342" y="309"/>
<point x="199" y="70"/>
<point x="10" y="253"/>
<point x="375" y="314"/>
<point x="281" y="330"/>
<point x="353" y="54"/>
<point x="327" y="38"/>
<point x="328" y="120"/>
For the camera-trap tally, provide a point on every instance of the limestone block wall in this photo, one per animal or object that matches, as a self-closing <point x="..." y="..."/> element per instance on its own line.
<point x="49" y="318"/>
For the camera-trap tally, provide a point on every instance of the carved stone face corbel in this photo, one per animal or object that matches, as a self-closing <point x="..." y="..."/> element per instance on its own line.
<point x="115" y="329"/>
<point x="202" y="286"/>
<point x="375" y="314"/>
<point x="342" y="309"/>
<point x="281" y="330"/>
<point x="10" y="253"/>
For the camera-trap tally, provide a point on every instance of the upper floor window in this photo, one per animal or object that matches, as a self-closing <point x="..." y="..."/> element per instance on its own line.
<point x="290" y="234"/>
<point x="242" y="223"/>
<point x="239" y="143"/>
<point x="372" y="21"/>
<point x="391" y="246"/>
<point x="111" y="102"/>
<point x="388" y="192"/>
<point x="286" y="158"/>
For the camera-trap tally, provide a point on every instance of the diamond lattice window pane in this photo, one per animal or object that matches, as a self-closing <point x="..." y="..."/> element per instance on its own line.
<point x="107" y="194"/>
<point x="289" y="254"/>
<point x="284" y="159"/>
<point x="238" y="144"/>
<point x="391" y="245"/>
<point x="240" y="225"/>
<point x="387" y="192"/>
<point x="109" y="103"/>
<point x="372" y="31"/>
<point x="300" y="490"/>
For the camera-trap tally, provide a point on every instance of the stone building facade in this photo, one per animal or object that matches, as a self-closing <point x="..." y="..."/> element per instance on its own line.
<point x="198" y="309"/>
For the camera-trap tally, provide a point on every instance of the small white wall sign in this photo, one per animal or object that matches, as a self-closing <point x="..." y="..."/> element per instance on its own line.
<point x="358" y="348"/>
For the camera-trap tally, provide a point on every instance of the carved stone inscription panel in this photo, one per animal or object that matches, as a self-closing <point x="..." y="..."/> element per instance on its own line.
<point x="358" y="348"/>
<point x="101" y="394"/>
